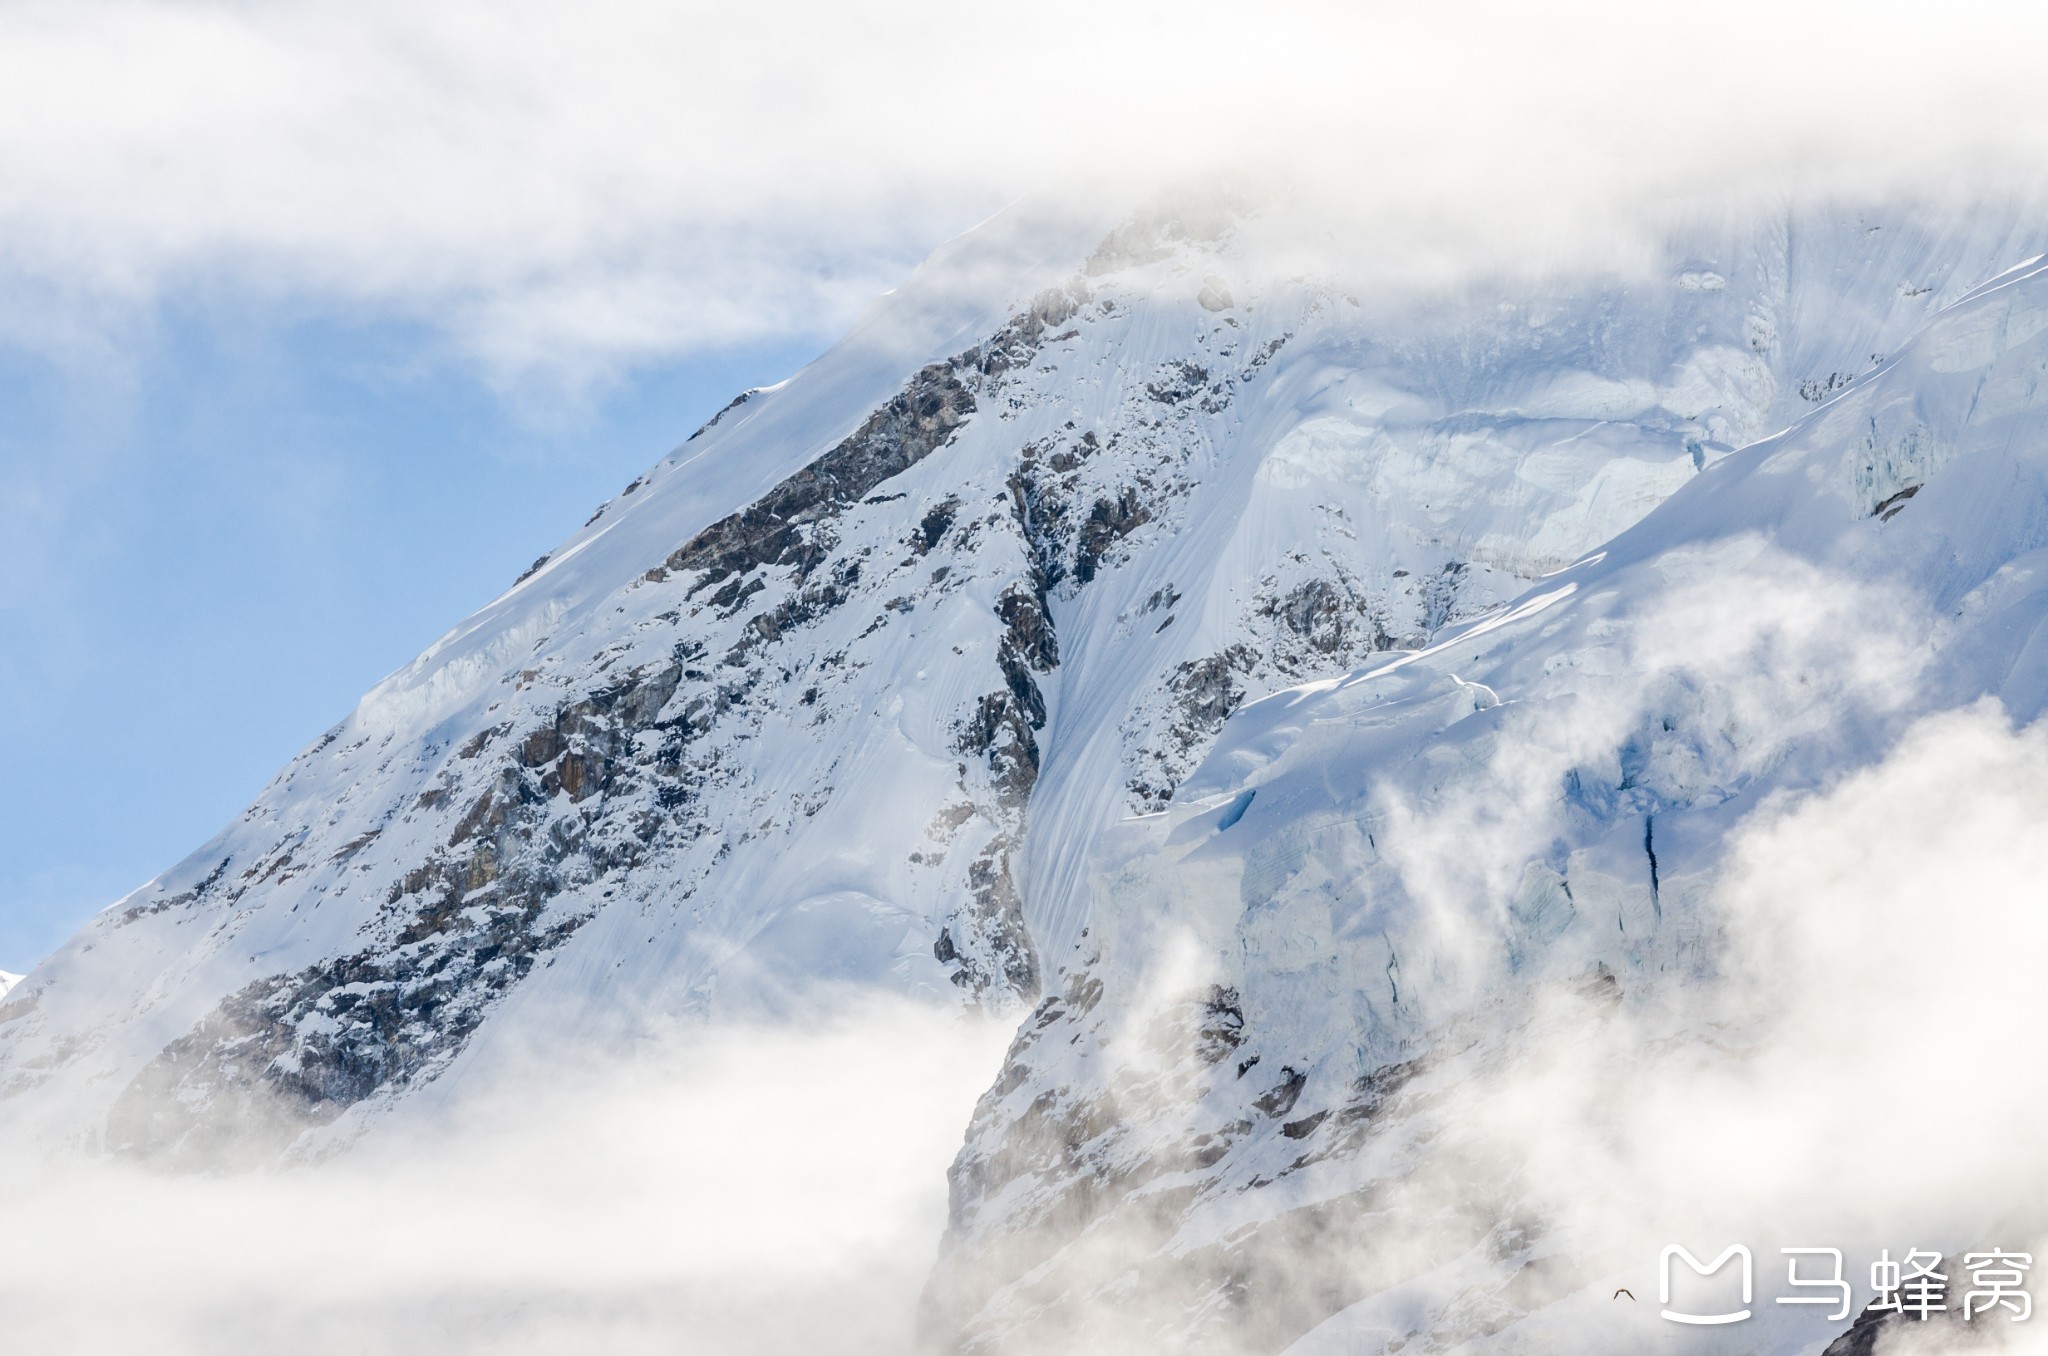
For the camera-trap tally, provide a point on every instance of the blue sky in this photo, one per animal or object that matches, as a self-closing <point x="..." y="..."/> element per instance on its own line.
<point x="218" y="531"/>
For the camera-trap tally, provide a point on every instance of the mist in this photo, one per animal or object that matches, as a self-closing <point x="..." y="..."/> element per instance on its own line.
<point x="1823" y="1045"/>
<point x="1853" y="1079"/>
<point x="561" y="192"/>
<point x="727" y="1189"/>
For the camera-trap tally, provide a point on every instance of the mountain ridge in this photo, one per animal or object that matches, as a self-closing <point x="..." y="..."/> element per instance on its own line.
<point x="1087" y="489"/>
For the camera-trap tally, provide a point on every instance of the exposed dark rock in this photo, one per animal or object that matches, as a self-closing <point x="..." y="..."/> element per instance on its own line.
<point x="1221" y="1029"/>
<point x="587" y="743"/>
<point x="1440" y="597"/>
<point x="206" y="888"/>
<point x="1178" y="381"/>
<point x="1202" y="693"/>
<point x="1889" y="507"/>
<point x="1650" y="851"/>
<point x="1028" y="634"/>
<point x="771" y="531"/>
<point x="936" y="522"/>
<point x="1000" y="730"/>
<point x="1208" y="689"/>
<point x="1281" y="1097"/>
<point x="742" y="398"/>
<point x="294" y="1051"/>
<point x="1327" y="616"/>
<point x="1817" y="389"/>
<point x="1110" y="521"/>
<point x="734" y="593"/>
<point x="992" y="948"/>
<point x="1092" y="1177"/>
<point x="1002" y="727"/>
<point x="799" y="610"/>
<point x="1264" y="355"/>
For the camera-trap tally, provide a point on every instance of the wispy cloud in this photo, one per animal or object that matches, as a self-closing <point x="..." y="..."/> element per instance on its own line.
<point x="568" y="187"/>
<point x="733" y="1189"/>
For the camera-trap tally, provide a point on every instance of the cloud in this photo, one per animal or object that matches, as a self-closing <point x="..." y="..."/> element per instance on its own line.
<point x="1844" y="1065"/>
<point x="1756" y="655"/>
<point x="1855" y="1076"/>
<point x="1821" y="1041"/>
<point x="572" y="187"/>
<point x="1848" y="1069"/>
<point x="732" y="1189"/>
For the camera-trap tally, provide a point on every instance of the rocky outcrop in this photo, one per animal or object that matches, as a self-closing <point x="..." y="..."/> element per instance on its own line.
<point x="603" y="784"/>
<point x="785" y="527"/>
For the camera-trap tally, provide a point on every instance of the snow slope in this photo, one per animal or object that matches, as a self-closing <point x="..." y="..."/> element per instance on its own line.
<point x="1251" y="1111"/>
<point x="849" y="688"/>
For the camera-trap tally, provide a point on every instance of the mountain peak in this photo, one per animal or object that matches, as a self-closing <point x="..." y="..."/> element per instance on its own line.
<point x="852" y="688"/>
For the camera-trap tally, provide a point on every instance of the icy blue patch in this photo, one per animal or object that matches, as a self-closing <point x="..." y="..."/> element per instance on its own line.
<point x="1235" y="810"/>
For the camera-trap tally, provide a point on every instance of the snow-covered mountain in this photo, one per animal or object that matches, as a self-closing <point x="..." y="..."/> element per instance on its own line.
<point x="1249" y="1109"/>
<point x="905" y="674"/>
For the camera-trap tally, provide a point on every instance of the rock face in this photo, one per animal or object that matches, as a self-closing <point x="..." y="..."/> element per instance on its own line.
<point x="1239" y="1115"/>
<point x="851" y="687"/>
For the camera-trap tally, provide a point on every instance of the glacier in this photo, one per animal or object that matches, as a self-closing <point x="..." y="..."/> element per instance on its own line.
<point x="1255" y="1100"/>
<point x="1127" y="628"/>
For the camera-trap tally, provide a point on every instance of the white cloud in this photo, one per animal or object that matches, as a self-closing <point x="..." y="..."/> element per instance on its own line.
<point x="1858" y="1076"/>
<point x="569" y="185"/>
<point x="734" y="1189"/>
